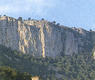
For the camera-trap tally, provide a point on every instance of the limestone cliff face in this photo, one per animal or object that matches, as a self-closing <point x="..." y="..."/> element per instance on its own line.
<point x="43" y="38"/>
<point x="9" y="32"/>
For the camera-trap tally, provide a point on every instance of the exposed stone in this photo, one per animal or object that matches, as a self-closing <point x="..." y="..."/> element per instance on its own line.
<point x="42" y="38"/>
<point x="35" y="78"/>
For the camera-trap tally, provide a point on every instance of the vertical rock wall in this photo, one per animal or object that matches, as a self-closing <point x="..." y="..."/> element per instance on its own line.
<point x="43" y="38"/>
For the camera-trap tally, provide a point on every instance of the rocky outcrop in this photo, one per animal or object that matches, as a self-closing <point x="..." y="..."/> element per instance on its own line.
<point x="43" y="38"/>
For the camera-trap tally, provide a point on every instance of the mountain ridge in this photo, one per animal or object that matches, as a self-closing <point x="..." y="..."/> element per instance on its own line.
<point x="43" y="38"/>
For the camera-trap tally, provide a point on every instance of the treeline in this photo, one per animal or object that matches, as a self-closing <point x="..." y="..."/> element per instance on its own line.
<point x="25" y="63"/>
<point x="76" y="67"/>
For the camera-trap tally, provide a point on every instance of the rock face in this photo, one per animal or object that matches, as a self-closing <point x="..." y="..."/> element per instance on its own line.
<point x="43" y="38"/>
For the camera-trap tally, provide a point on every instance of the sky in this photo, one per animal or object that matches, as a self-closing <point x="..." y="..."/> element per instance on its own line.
<point x="72" y="13"/>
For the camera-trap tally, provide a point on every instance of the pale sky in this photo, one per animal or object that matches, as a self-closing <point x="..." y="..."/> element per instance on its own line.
<point x="72" y="13"/>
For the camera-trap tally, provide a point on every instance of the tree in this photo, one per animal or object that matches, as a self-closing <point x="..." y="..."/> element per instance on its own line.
<point x="54" y="22"/>
<point x="42" y="19"/>
<point x="90" y="30"/>
<point x="29" y="18"/>
<point x="20" y="18"/>
<point x="4" y="15"/>
<point x="58" y="24"/>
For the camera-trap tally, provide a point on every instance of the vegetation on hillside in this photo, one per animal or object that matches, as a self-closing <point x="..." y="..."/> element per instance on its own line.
<point x="7" y="73"/>
<point x="76" y="67"/>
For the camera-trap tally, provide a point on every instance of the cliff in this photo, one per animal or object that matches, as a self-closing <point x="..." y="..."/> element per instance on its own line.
<point x="43" y="38"/>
